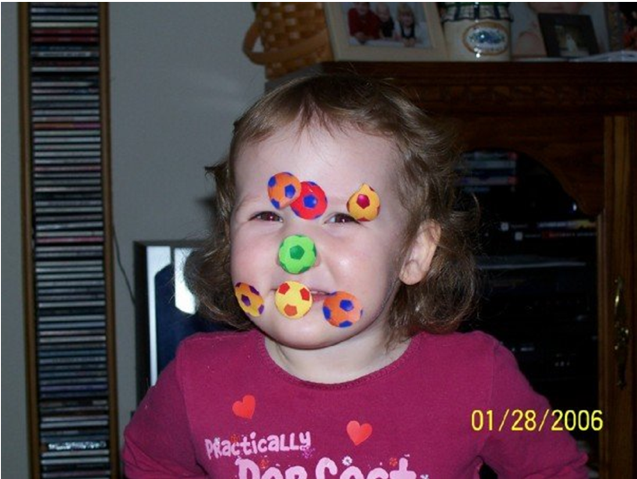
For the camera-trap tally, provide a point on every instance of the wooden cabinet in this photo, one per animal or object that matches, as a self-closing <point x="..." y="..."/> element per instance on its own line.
<point x="580" y="121"/>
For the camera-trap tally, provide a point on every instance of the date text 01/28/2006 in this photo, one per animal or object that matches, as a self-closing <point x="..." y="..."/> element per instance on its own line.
<point x="529" y="420"/>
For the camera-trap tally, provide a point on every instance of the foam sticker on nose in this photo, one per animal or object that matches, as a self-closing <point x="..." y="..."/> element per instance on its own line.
<point x="283" y="189"/>
<point x="342" y="309"/>
<point x="293" y="299"/>
<point x="249" y="299"/>
<point x="297" y="254"/>
<point x="364" y="205"/>
<point x="311" y="203"/>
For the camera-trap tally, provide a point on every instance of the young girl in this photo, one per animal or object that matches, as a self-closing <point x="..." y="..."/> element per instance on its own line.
<point x="339" y="252"/>
<point x="406" y="25"/>
<point x="362" y="22"/>
<point x="386" y="21"/>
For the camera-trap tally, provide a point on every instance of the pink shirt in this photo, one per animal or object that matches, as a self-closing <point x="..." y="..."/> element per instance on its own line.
<point x="224" y="409"/>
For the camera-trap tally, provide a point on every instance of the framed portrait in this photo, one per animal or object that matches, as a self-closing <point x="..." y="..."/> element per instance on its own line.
<point x="378" y="31"/>
<point x="568" y="36"/>
<point x="527" y="42"/>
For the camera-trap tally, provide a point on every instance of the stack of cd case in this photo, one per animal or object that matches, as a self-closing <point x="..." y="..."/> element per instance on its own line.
<point x="72" y="398"/>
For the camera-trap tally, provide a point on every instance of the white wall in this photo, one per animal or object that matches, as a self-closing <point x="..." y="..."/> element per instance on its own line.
<point x="178" y="80"/>
<point x="14" y="422"/>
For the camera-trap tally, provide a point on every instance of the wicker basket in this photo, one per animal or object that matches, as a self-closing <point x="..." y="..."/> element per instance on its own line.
<point x="294" y="35"/>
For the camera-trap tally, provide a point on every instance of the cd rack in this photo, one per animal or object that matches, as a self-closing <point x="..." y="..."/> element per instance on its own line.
<point x="67" y="249"/>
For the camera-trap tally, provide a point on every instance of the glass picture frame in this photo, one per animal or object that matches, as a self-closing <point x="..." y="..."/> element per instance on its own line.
<point x="378" y="31"/>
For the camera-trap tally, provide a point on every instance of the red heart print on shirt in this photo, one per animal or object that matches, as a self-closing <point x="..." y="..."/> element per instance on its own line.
<point x="358" y="433"/>
<point x="245" y="407"/>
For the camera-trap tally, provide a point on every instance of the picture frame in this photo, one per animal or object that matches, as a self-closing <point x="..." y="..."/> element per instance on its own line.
<point x="424" y="43"/>
<point x="616" y="26"/>
<point x="527" y="42"/>
<point x="568" y="36"/>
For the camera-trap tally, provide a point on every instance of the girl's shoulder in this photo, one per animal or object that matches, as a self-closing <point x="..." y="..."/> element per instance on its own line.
<point x="472" y="351"/>
<point x="463" y="344"/>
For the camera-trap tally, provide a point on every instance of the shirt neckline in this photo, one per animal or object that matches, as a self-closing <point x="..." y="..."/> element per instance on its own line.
<point x="268" y="362"/>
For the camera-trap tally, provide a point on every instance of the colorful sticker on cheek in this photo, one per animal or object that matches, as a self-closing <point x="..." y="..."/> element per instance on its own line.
<point x="283" y="189"/>
<point x="364" y="205"/>
<point x="297" y="254"/>
<point x="342" y="309"/>
<point x="293" y="300"/>
<point x="312" y="202"/>
<point x="249" y="299"/>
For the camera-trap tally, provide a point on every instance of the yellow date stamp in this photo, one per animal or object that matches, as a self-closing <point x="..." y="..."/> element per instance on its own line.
<point x="529" y="420"/>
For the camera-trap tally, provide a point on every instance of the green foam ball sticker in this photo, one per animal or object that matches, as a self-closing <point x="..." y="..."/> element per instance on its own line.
<point x="297" y="254"/>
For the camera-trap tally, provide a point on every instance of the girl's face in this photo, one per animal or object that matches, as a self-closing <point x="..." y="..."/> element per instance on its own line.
<point x="362" y="8"/>
<point x="407" y="19"/>
<point x="383" y="13"/>
<point x="359" y="258"/>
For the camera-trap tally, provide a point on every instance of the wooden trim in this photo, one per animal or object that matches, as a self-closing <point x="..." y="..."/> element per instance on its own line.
<point x="604" y="317"/>
<point x="603" y="340"/>
<point x="503" y="88"/>
<point x="27" y="251"/>
<point x="619" y="437"/>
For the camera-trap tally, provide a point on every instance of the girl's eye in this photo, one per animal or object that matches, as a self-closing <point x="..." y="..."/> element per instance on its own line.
<point x="342" y="218"/>
<point x="267" y="216"/>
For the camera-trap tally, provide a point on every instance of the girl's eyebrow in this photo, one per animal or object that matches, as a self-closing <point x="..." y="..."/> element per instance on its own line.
<point x="248" y="200"/>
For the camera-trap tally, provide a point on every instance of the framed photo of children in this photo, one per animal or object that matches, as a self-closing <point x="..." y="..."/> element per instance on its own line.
<point x="378" y="31"/>
<point x="568" y="36"/>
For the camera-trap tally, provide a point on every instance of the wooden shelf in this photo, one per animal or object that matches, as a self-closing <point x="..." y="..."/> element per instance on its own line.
<point x="505" y="88"/>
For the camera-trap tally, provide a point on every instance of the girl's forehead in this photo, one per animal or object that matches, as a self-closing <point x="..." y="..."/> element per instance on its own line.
<point x="339" y="160"/>
<point x="321" y="141"/>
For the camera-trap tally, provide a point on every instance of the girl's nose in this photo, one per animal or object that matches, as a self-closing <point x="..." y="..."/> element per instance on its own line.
<point x="297" y="254"/>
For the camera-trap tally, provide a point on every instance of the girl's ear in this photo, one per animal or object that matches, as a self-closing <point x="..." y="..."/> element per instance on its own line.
<point x="420" y="253"/>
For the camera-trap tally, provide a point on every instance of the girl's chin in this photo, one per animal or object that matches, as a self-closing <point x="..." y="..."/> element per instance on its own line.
<point x="309" y="332"/>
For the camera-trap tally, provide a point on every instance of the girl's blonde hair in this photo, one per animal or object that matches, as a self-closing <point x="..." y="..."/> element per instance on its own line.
<point x="405" y="9"/>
